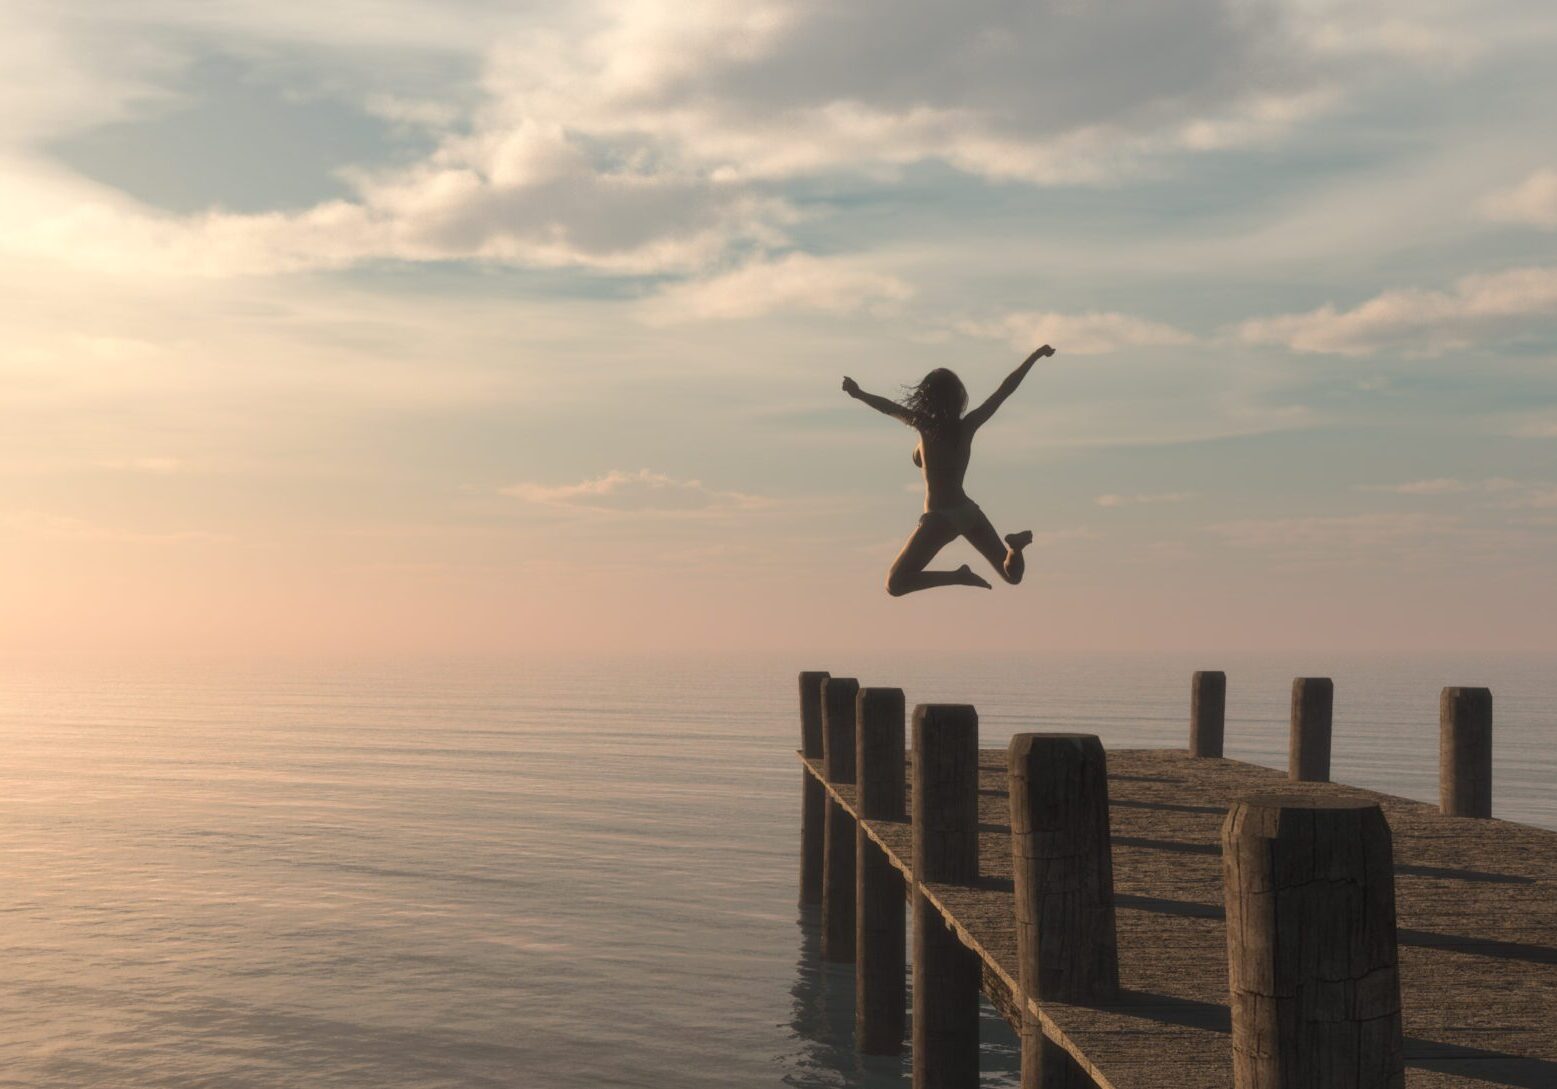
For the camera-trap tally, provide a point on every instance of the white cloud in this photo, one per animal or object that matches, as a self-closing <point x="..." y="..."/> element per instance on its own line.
<point x="65" y="527"/>
<point x="1535" y="427"/>
<point x="1042" y="92"/>
<point x="537" y="197"/>
<point x="1346" y="534"/>
<point x="1091" y="333"/>
<point x="794" y="282"/>
<point x="1442" y="486"/>
<point x="640" y="492"/>
<point x="646" y="136"/>
<point x="157" y="465"/>
<point x="1479" y="309"/>
<point x="1114" y="500"/>
<point x="1533" y="201"/>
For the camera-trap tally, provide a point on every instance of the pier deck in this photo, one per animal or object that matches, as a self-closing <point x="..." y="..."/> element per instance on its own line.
<point x="1476" y="904"/>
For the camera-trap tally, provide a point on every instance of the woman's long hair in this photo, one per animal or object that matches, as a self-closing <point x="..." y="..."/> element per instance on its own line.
<point x="936" y="404"/>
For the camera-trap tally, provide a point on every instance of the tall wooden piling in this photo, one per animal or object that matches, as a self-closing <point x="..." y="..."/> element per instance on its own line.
<point x="1308" y="744"/>
<point x="813" y="796"/>
<point x="945" y="850"/>
<point x="1062" y="870"/>
<point x="1465" y="752"/>
<point x="1312" y="964"/>
<point x="880" y="1009"/>
<point x="838" y="707"/>
<point x="1207" y="712"/>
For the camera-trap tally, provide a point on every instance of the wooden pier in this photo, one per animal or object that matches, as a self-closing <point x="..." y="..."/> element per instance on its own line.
<point x="1374" y="941"/>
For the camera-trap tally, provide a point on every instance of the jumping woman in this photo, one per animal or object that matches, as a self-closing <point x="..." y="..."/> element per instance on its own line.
<point x="934" y="408"/>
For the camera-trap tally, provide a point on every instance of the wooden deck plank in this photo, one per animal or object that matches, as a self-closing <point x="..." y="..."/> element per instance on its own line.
<point x="1476" y="907"/>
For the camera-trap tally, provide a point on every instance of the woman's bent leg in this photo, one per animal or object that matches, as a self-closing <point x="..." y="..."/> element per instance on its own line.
<point x="908" y="573"/>
<point x="1004" y="555"/>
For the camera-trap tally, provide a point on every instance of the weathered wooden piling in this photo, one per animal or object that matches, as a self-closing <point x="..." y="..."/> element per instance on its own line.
<point x="1062" y="871"/>
<point x="813" y="799"/>
<point x="1207" y="712"/>
<point x="880" y="1009"/>
<point x="1312" y="963"/>
<point x="1465" y="752"/>
<point x="947" y="974"/>
<point x="838" y="707"/>
<point x="1308" y="744"/>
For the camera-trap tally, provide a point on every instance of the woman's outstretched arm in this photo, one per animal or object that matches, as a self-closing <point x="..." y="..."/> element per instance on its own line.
<point x="979" y="416"/>
<point x="880" y="404"/>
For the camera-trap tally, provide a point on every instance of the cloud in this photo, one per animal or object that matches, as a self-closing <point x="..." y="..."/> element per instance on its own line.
<point x="1045" y="92"/>
<point x="1442" y="486"/>
<point x="63" y="527"/>
<point x="158" y="465"/>
<point x="794" y="282"/>
<point x="536" y="196"/>
<point x="1533" y="201"/>
<point x="1479" y="309"/>
<point x="1535" y="427"/>
<point x="1348" y="534"/>
<point x="640" y="492"/>
<point x="1537" y="498"/>
<point x="650" y="137"/>
<point x="1091" y="333"/>
<point x="1112" y="500"/>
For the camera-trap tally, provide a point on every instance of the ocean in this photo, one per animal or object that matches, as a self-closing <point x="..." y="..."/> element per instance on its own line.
<point x="547" y="873"/>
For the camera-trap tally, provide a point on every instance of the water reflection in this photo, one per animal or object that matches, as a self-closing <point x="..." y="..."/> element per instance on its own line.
<point x="822" y="1020"/>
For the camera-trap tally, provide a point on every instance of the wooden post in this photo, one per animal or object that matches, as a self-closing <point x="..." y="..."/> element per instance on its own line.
<point x="1465" y="752"/>
<point x="1062" y="869"/>
<point x="947" y="974"/>
<point x="880" y="1005"/>
<point x="838" y="696"/>
<point x="1310" y="894"/>
<point x="1207" y="712"/>
<point x="813" y="797"/>
<point x="1308" y="745"/>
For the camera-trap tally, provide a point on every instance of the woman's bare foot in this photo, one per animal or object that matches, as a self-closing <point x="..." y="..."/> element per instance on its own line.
<point x="970" y="578"/>
<point x="1015" y="567"/>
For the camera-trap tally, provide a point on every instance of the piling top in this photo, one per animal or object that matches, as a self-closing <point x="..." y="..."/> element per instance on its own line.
<point x="1305" y="801"/>
<point x="1478" y="697"/>
<point x="952" y="710"/>
<point x="1024" y="747"/>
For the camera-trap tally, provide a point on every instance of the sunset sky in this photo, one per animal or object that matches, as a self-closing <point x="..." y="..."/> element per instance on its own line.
<point x="448" y="326"/>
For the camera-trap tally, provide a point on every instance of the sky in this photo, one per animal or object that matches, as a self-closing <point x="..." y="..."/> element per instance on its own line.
<point x="446" y="327"/>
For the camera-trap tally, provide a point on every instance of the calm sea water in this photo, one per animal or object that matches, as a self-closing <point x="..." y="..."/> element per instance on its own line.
<point x="529" y="874"/>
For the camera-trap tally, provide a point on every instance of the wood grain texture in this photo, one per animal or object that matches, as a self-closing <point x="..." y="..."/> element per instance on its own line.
<point x="1314" y="978"/>
<point x="1465" y="752"/>
<point x="1308" y="742"/>
<point x="1207" y="712"/>
<point x="880" y="996"/>
<point x="813" y="818"/>
<point x="1476" y="904"/>
<point x="811" y="712"/>
<point x="946" y="792"/>
<point x="1061" y="868"/>
<point x="946" y="1004"/>
<point x="840" y="695"/>
<point x="838" y="917"/>
<point x="879" y="760"/>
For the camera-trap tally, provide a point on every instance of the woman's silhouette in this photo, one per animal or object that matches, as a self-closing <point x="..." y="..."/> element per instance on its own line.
<point x="934" y="409"/>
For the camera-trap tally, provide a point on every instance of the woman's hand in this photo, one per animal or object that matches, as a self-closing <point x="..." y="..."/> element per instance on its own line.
<point x="1040" y="353"/>
<point x="851" y="387"/>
